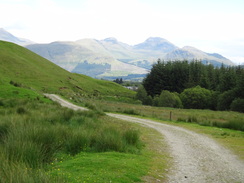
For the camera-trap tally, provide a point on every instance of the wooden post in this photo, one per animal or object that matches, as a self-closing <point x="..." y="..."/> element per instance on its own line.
<point x="170" y="115"/>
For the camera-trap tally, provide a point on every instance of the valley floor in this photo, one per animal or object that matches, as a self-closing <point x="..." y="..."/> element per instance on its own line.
<point x="196" y="158"/>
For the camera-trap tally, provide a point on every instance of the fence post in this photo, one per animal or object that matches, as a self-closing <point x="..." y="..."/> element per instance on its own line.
<point x="170" y="115"/>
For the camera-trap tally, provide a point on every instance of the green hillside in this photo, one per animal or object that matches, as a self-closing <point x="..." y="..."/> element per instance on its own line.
<point x="24" y="73"/>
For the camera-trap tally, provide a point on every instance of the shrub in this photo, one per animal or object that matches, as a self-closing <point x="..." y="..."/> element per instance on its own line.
<point x="196" y="98"/>
<point x="155" y="101"/>
<point x="225" y="100"/>
<point x="15" y="84"/>
<point x="142" y="96"/>
<point x="168" y="99"/>
<point x="131" y="111"/>
<point x="237" y="105"/>
<point x="21" y="110"/>
<point x="141" y="93"/>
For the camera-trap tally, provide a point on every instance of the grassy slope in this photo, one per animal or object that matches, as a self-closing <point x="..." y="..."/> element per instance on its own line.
<point x="33" y="72"/>
<point x="35" y="75"/>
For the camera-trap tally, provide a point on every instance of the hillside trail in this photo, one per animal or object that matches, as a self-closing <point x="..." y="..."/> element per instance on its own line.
<point x="196" y="158"/>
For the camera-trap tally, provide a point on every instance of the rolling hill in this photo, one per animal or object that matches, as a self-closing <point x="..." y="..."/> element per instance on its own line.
<point x="23" y="72"/>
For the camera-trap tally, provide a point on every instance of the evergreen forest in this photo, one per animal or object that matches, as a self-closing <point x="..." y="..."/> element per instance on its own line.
<point x="184" y="84"/>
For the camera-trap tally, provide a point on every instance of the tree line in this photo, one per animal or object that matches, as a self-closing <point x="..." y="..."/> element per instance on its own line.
<point x="193" y="85"/>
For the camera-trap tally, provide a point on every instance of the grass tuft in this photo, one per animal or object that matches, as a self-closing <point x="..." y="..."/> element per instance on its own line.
<point x="32" y="138"/>
<point x="132" y="136"/>
<point x="233" y="124"/>
<point x="131" y="111"/>
<point x="21" y="110"/>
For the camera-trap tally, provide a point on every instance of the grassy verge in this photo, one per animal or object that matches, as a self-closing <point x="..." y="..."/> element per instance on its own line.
<point x="150" y="165"/>
<point x="221" y="119"/>
<point x="102" y="167"/>
<point x="41" y="142"/>
<point x="215" y="124"/>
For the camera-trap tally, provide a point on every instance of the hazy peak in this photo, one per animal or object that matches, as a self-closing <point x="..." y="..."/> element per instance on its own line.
<point x="111" y="40"/>
<point x="6" y="36"/>
<point x="2" y="30"/>
<point x="190" y="48"/>
<point x="156" y="39"/>
<point x="156" y="43"/>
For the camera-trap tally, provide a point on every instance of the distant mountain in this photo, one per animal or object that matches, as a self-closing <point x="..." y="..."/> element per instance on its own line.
<point x="119" y="50"/>
<point x="156" y="44"/>
<point x="86" y="56"/>
<point x="191" y="53"/>
<point x="112" y="58"/>
<point x="104" y="58"/>
<point x="6" y="36"/>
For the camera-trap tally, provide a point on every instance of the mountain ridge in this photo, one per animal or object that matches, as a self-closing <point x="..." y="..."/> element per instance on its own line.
<point x="110" y="57"/>
<point x="191" y="53"/>
<point x="123" y="59"/>
<point x="6" y="36"/>
<point x="157" y="44"/>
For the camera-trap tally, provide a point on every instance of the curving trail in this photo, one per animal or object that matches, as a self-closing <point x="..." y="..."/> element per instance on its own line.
<point x="197" y="158"/>
<point x="64" y="103"/>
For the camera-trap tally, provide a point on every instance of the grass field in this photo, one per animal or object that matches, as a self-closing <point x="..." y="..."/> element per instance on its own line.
<point x="216" y="124"/>
<point x="223" y="119"/>
<point x="149" y="165"/>
<point x="84" y="146"/>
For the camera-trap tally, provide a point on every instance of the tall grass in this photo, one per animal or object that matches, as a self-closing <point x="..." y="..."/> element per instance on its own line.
<point x="222" y="119"/>
<point x="33" y="133"/>
<point x="234" y="124"/>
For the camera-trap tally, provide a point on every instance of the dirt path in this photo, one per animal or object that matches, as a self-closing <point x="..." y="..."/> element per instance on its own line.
<point x="65" y="103"/>
<point x="197" y="158"/>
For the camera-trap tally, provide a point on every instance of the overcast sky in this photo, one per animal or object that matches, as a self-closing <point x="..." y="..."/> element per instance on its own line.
<point x="209" y="25"/>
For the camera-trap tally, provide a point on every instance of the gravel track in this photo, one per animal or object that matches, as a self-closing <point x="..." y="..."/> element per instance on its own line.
<point x="64" y="103"/>
<point x="197" y="158"/>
